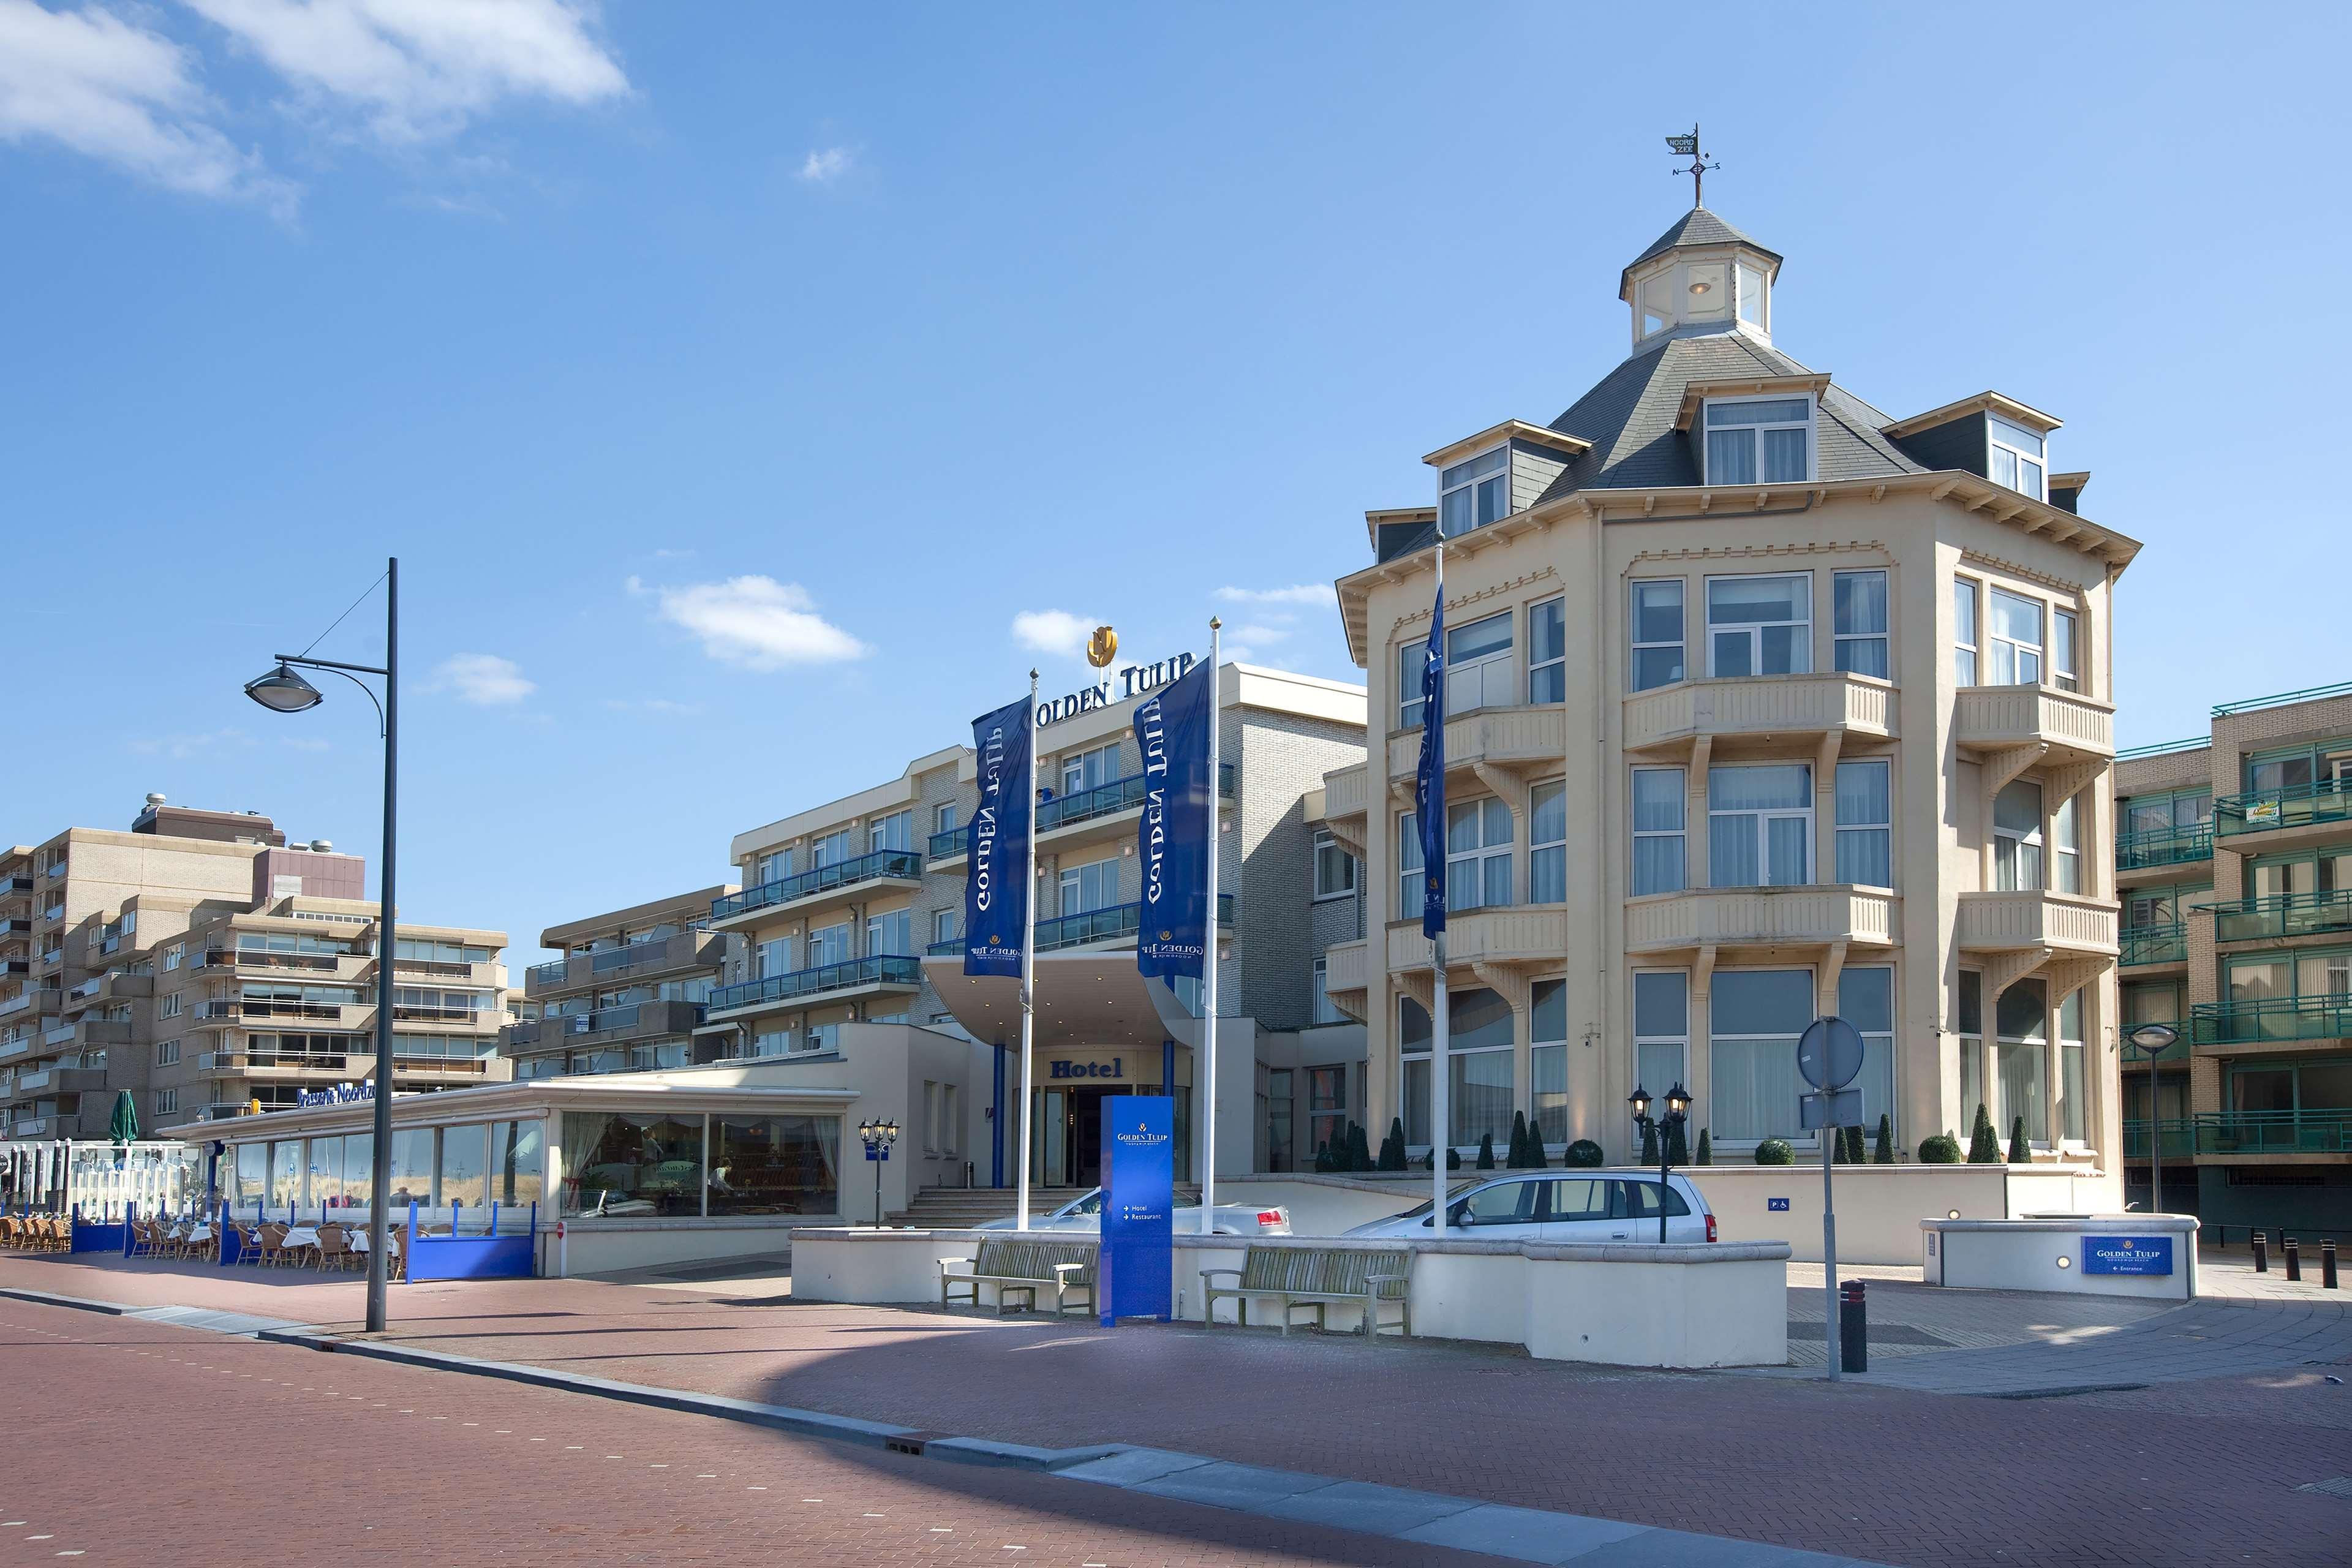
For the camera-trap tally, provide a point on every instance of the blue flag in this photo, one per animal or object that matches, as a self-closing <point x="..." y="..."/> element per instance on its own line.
<point x="1179" y="828"/>
<point x="996" y="888"/>
<point x="1429" y="786"/>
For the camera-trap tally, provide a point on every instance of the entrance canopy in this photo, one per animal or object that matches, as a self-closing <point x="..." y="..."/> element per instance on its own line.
<point x="1085" y="1000"/>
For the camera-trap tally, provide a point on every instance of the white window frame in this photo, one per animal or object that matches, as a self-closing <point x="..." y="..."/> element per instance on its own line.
<point x="1883" y="636"/>
<point x="2067" y="677"/>
<point x="1448" y="486"/>
<point x="1764" y="818"/>
<point x="843" y="844"/>
<point x="1884" y="828"/>
<point x="1411" y="660"/>
<point x="172" y="956"/>
<point x="943" y="817"/>
<point x="1412" y="870"/>
<point x="1967" y="618"/>
<point x="873" y="931"/>
<point x="1681" y="643"/>
<point x="1544" y="851"/>
<point x="1071" y="885"/>
<point x="1802" y="645"/>
<point x="171" y="1006"/>
<point x="1811" y="425"/>
<point x="1074" y="768"/>
<point x="1998" y="445"/>
<point x="2009" y="875"/>
<point x="821" y="938"/>
<point x="1345" y="886"/>
<point x="1680" y="834"/>
<point x="1320" y="1010"/>
<point x="1557" y="605"/>
<point x="943" y="924"/>
<point x="167" y="1102"/>
<point x="2063" y="862"/>
<point x="1489" y="680"/>
<point x="881" y="827"/>
<point x="1680" y="1043"/>
<point x="2017" y="651"/>
<point x="1475" y="862"/>
<point x="1795" y="1139"/>
<point x="167" y="1053"/>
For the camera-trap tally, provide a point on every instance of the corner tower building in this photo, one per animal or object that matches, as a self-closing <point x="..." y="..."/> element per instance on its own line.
<point x="1762" y="704"/>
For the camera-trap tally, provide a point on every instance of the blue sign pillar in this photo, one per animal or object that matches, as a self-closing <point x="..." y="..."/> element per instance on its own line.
<point x="1137" y="1265"/>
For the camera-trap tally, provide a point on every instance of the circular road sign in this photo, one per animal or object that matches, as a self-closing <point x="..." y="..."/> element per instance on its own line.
<point x="1829" y="1053"/>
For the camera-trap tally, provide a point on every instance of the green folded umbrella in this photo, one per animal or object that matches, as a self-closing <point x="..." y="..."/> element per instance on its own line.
<point x="124" y="1128"/>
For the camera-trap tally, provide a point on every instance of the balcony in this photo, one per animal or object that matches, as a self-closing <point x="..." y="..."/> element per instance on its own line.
<point x="881" y="972"/>
<point x="345" y="964"/>
<point x="2073" y="729"/>
<point x="2151" y="848"/>
<point x="1806" y="916"/>
<point x="1531" y="934"/>
<point x="349" y="1014"/>
<point x="686" y="949"/>
<point x="57" y="1034"/>
<point x="283" y="1064"/>
<point x="2012" y="921"/>
<point x="38" y="1127"/>
<point x="1347" y="967"/>
<point x="2154" y="944"/>
<point x="101" y="1032"/>
<point x="12" y="885"/>
<point x="11" y="1049"/>
<point x="2272" y="1019"/>
<point x="1058" y="817"/>
<point x="2275" y="1132"/>
<point x="630" y="1020"/>
<point x="20" y="1003"/>
<point x="15" y="928"/>
<point x="1093" y="928"/>
<point x="1345" y="794"/>
<point x="2282" y="915"/>
<point x="887" y="867"/>
<point x="2178" y="1139"/>
<point x="1670" y="717"/>
<point x="1510" y="738"/>
<point x="2321" y="809"/>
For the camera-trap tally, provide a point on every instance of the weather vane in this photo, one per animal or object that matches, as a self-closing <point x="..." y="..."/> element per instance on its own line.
<point x="1688" y="147"/>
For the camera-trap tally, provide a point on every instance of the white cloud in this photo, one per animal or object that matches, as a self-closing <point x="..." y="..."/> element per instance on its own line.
<point x="755" y="622"/>
<point x="653" y="705"/>
<point x="417" y="68"/>
<point x="825" y="165"/>
<point x="301" y="743"/>
<point x="1260" y="631"/>
<point x="192" y="745"/>
<point x="1054" y="631"/>
<point x="1317" y="593"/>
<point x="482" y="679"/>
<point x="95" y="83"/>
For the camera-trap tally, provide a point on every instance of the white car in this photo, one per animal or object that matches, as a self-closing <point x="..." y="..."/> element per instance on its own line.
<point x="1564" y="1205"/>
<point x="1084" y="1213"/>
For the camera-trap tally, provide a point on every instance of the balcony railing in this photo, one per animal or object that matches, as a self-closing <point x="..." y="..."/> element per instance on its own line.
<point x="2282" y="914"/>
<point x="549" y="975"/>
<point x="2155" y="944"/>
<point x="2273" y="1019"/>
<point x="2178" y="1139"/>
<point x="1118" y="922"/>
<point x="260" y="958"/>
<point x="2163" y="846"/>
<point x="2298" y="806"/>
<point x="897" y="863"/>
<point x="880" y="969"/>
<point x="1083" y="805"/>
<point x="2275" y="1132"/>
<point x="62" y="1034"/>
<point x="614" y="959"/>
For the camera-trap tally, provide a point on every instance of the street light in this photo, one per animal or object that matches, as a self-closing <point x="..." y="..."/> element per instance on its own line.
<point x="2152" y="1040"/>
<point x="284" y="691"/>
<point x="1666" y="1126"/>
<point x="879" y="1136"/>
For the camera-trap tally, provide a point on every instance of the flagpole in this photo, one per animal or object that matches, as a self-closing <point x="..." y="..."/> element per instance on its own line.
<point x="1208" y="1073"/>
<point x="1028" y="951"/>
<point x="1440" y="1142"/>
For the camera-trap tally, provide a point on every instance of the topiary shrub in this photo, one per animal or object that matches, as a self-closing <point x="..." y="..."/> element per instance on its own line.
<point x="1677" y="1150"/>
<point x="1650" y="1143"/>
<point x="1775" y="1152"/>
<point x="1322" y="1159"/>
<point x="1453" y="1158"/>
<point x="1941" y="1149"/>
<point x="1517" y="1158"/>
<point x="1705" y="1148"/>
<point x="1583" y="1155"/>
<point x="1882" y="1151"/>
<point x="1837" y="1146"/>
<point x="2021" y="1153"/>
<point x="1360" y="1148"/>
<point x="1485" y="1151"/>
<point x="1984" y="1143"/>
<point x="1392" y="1146"/>
<point x="1854" y="1145"/>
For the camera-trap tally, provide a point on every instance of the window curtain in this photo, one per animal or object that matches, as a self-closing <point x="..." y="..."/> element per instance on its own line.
<point x="583" y="1132"/>
<point x="1479" y="1101"/>
<point x="1730" y="457"/>
<point x="1865" y="852"/>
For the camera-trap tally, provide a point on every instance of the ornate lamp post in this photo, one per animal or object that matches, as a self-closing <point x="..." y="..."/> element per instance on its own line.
<point x="2152" y="1040"/>
<point x="1677" y="1114"/>
<point x="879" y="1136"/>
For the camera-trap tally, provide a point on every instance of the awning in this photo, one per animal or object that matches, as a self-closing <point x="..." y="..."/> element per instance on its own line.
<point x="1084" y="999"/>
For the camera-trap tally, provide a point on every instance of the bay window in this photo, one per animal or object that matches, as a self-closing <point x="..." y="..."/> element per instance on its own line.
<point x="2021" y="1062"/>
<point x="1759" y="626"/>
<point x="1657" y="616"/>
<point x="1548" y="651"/>
<point x="1412" y="661"/>
<point x="1477" y="854"/>
<point x="1759" y="825"/>
<point x="1858" y="622"/>
<point x="2017" y="837"/>
<point x="1481" y="1032"/>
<point x="1658" y="858"/>
<point x="1967" y="1026"/>
<point x="1478" y="672"/>
<point x="1547" y="844"/>
<point x="2065" y="672"/>
<point x="1411" y="871"/>
<point x="2072" y="1087"/>
<point x="1964" y="632"/>
<point x="1413" y="1037"/>
<point x="1547" y="1059"/>
<point x="1865" y="824"/>
<point x="1764" y="440"/>
<point x="2016" y="639"/>
<point x="2066" y="846"/>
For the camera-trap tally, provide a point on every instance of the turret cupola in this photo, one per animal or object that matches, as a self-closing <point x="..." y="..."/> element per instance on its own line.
<point x="1702" y="275"/>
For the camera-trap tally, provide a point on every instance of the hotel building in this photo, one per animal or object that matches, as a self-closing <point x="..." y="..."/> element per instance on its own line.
<point x="1761" y="704"/>
<point x="2234" y="859"/>
<point x="202" y="963"/>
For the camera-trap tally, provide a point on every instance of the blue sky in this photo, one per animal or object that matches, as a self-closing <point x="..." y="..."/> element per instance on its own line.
<point x="730" y="378"/>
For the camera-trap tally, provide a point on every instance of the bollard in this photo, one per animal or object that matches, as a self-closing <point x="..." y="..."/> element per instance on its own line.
<point x="2294" y="1260"/>
<point x="2262" y="1254"/>
<point x="2328" y="1264"/>
<point x="1853" y="1328"/>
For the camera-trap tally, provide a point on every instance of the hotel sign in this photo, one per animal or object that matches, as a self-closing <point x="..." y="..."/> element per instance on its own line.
<point x="1133" y="680"/>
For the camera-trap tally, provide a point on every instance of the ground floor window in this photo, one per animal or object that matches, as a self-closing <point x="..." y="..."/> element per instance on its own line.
<point x="1547" y="1060"/>
<point x="412" y="1167"/>
<point x="1660" y="1029"/>
<point x="1755" y="1017"/>
<point x="775" y="1164"/>
<point x="2021" y="1062"/>
<point x="1866" y="1000"/>
<point x="1327" y="1104"/>
<point x="517" y="1161"/>
<point x="1277" y="1117"/>
<point x="632" y="1164"/>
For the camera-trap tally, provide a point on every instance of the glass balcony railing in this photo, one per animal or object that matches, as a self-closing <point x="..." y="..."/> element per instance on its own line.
<point x="2327" y="1017"/>
<point x="2155" y="944"/>
<point x="881" y="969"/>
<point x="2275" y="1132"/>
<point x="2298" y="806"/>
<point x="1083" y="805"/>
<point x="899" y="863"/>
<point x="613" y="960"/>
<point x="2282" y="914"/>
<point x="1118" y="923"/>
<point x="2178" y="1139"/>
<point x="2163" y="846"/>
<point x="548" y="974"/>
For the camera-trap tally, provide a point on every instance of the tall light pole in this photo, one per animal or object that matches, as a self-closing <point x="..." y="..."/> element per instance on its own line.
<point x="284" y="691"/>
<point x="2152" y="1040"/>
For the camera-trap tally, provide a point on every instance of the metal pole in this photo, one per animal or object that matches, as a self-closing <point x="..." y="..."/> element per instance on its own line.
<point x="1441" y="1019"/>
<point x="1028" y="951"/>
<point x="1831" y="1323"/>
<point x="378" y="1263"/>
<point x="877" y="1195"/>
<point x="1208" y="1073"/>
<point x="1665" y="1162"/>
<point x="2155" y="1141"/>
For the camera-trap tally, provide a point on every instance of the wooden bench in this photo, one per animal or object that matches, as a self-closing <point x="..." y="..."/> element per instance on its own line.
<point x="1023" y="1268"/>
<point x="1310" y="1276"/>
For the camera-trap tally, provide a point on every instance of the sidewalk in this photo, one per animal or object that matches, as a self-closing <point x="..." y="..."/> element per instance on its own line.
<point x="1923" y="1478"/>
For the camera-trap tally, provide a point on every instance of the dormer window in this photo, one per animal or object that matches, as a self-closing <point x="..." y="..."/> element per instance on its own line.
<point x="1759" y="440"/>
<point x="2017" y="458"/>
<point x="1475" y="493"/>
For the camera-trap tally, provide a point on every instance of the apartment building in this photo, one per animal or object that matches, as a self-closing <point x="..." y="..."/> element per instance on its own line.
<point x="627" y="993"/>
<point x="201" y="963"/>
<point x="2234" y="859"/>
<point x="1761" y="704"/>
<point x="850" y="915"/>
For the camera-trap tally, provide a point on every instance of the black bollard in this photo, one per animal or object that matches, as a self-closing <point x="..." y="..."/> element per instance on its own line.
<point x="1853" y="1328"/>
<point x="2294" y="1260"/>
<point x="2328" y="1264"/>
<point x="2262" y="1254"/>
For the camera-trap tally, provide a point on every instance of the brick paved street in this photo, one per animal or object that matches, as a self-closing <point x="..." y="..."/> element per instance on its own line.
<point x="2206" y="1474"/>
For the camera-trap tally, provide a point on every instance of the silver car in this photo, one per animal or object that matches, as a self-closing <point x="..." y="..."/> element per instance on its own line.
<point x="1084" y="1213"/>
<point x="1564" y="1205"/>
